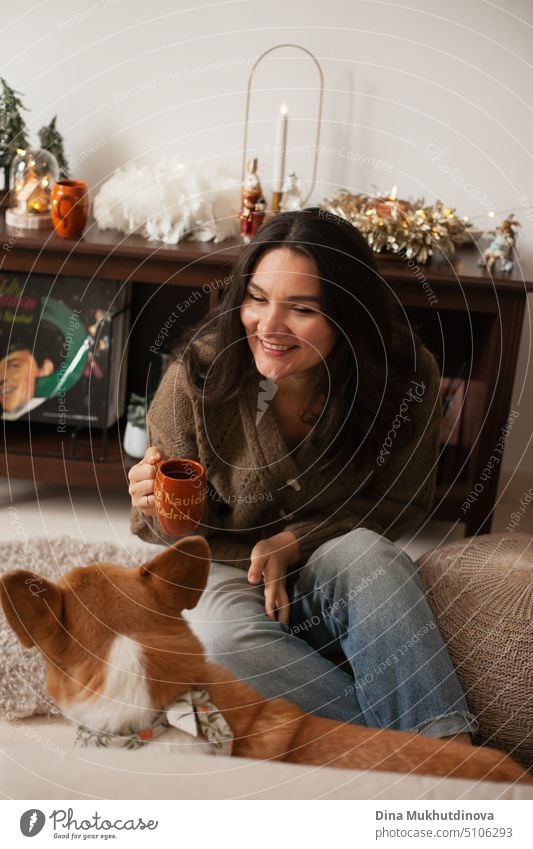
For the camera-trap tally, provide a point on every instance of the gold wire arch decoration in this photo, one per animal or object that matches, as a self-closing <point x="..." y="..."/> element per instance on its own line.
<point x="319" y="111"/>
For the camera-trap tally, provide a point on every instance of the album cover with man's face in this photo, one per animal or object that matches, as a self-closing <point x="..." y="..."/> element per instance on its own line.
<point x="62" y="343"/>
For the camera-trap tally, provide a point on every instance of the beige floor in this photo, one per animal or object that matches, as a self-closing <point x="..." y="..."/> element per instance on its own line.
<point x="46" y="510"/>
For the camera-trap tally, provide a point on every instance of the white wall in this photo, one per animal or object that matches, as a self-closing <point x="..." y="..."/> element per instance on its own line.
<point x="133" y="80"/>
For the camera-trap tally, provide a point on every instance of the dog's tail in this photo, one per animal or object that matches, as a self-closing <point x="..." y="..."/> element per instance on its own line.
<point x="322" y="741"/>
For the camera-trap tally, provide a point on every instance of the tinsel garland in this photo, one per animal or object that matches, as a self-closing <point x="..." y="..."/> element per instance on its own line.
<point x="399" y="226"/>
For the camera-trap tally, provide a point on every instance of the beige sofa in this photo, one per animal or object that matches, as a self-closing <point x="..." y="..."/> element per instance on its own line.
<point x="38" y="761"/>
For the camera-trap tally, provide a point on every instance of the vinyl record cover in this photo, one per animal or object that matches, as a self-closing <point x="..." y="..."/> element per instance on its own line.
<point x="62" y="349"/>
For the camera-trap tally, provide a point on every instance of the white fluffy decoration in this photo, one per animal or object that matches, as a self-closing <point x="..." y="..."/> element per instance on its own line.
<point x="170" y="201"/>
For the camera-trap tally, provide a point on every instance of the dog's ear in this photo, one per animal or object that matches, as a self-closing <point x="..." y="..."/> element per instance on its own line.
<point x="33" y="607"/>
<point x="180" y="573"/>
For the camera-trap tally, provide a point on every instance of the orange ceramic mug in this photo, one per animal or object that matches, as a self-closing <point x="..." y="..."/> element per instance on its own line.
<point x="180" y="495"/>
<point x="70" y="207"/>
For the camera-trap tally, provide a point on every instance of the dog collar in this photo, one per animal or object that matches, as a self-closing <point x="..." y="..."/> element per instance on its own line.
<point x="192" y="713"/>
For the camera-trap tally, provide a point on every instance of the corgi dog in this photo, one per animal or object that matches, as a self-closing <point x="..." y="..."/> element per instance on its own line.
<point x="118" y="653"/>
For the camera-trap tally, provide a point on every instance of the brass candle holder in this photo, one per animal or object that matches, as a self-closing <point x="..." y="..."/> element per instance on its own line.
<point x="277" y="194"/>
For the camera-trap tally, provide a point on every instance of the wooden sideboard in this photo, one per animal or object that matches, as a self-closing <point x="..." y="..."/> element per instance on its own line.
<point x="462" y="313"/>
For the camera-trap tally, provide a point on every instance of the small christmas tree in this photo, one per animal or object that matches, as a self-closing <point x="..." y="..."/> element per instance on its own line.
<point x="52" y="140"/>
<point x="12" y="127"/>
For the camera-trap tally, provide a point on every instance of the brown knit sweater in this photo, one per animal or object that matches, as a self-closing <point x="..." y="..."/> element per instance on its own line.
<point x="257" y="487"/>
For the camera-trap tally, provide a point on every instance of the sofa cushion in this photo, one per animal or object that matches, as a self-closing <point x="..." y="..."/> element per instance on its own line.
<point x="481" y="593"/>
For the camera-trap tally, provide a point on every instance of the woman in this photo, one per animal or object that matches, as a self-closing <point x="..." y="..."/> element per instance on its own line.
<point x="315" y="410"/>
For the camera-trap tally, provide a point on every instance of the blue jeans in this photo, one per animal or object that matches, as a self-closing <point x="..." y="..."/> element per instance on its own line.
<point x="358" y="595"/>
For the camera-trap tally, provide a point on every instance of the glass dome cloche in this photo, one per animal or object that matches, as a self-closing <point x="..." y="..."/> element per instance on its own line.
<point x="31" y="177"/>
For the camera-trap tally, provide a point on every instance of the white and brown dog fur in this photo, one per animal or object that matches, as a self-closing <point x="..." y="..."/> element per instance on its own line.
<point x="118" y="651"/>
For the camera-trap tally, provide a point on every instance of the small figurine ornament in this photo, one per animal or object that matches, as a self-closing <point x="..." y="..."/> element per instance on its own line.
<point x="502" y="246"/>
<point x="252" y="203"/>
<point x="291" y="199"/>
<point x="32" y="176"/>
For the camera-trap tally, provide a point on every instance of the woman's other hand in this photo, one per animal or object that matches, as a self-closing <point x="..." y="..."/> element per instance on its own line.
<point x="271" y="559"/>
<point x="142" y="481"/>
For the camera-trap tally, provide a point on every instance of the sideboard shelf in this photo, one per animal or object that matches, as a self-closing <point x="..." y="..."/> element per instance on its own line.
<point x="41" y="454"/>
<point x="471" y="316"/>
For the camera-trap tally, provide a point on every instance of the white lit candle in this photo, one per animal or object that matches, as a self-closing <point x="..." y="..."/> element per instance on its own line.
<point x="279" y="150"/>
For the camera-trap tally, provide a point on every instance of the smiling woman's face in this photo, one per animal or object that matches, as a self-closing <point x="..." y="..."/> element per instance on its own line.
<point x="287" y="333"/>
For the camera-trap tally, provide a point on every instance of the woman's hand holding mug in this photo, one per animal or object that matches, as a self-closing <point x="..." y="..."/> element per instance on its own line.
<point x="142" y="481"/>
<point x="173" y="490"/>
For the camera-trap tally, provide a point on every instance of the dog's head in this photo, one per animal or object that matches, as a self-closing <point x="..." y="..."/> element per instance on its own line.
<point x="116" y="647"/>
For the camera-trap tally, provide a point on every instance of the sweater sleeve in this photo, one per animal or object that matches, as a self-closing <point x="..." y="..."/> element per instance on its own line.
<point x="400" y="493"/>
<point x="171" y="428"/>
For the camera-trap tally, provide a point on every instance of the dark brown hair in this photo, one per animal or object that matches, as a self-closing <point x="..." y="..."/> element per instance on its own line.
<point x="372" y="361"/>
